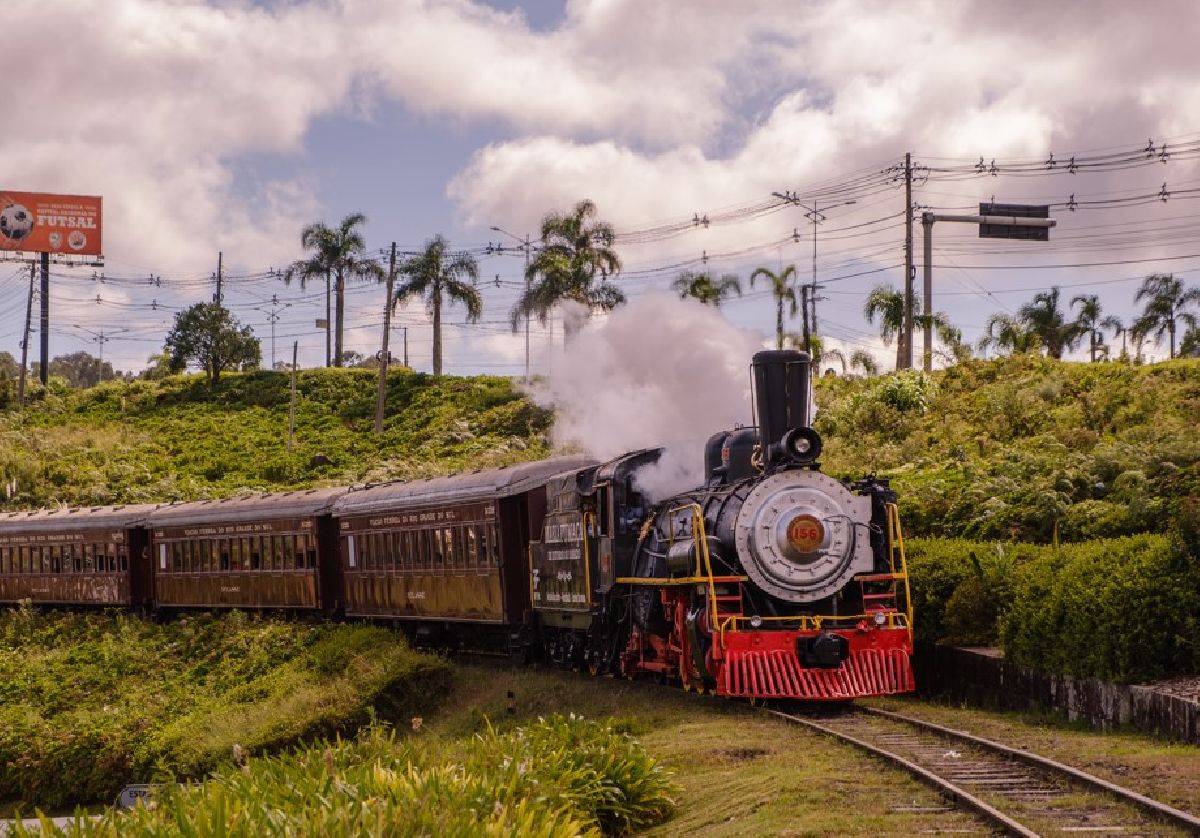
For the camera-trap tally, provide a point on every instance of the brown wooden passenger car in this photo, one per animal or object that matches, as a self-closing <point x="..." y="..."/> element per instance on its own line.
<point x="448" y="548"/>
<point x="88" y="556"/>
<point x="267" y="551"/>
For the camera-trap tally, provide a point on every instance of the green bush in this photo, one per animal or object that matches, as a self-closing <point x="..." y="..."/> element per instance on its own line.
<point x="556" y="777"/>
<point x="1121" y="609"/>
<point x="90" y="702"/>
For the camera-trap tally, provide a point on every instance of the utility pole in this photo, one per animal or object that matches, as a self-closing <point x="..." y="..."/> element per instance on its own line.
<point x="909" y="272"/>
<point x="101" y="339"/>
<point x="381" y="396"/>
<point x="804" y="311"/>
<point x="405" y="329"/>
<point x="525" y="245"/>
<point x="809" y="294"/>
<point x="927" y="220"/>
<point x="25" y="339"/>
<point x="45" y="324"/>
<point x="292" y="408"/>
<point x="220" y="265"/>
<point x="274" y="316"/>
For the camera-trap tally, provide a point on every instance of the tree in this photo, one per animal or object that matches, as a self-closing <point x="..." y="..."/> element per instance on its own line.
<point x="576" y="250"/>
<point x="887" y="304"/>
<point x="210" y="337"/>
<point x="782" y="292"/>
<point x="81" y="369"/>
<point x="1008" y="334"/>
<point x="1166" y="304"/>
<point x="865" y="361"/>
<point x="1189" y="347"/>
<point x="1043" y="317"/>
<point x="706" y="288"/>
<point x="435" y="275"/>
<point x="338" y="253"/>
<point x="1113" y="324"/>
<point x="1090" y="323"/>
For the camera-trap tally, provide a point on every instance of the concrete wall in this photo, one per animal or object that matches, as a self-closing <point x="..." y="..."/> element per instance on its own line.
<point x="982" y="677"/>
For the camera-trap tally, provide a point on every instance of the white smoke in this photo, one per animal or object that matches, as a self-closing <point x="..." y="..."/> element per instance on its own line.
<point x="657" y="372"/>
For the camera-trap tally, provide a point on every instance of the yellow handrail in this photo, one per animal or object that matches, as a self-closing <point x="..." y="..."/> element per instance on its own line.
<point x="896" y="540"/>
<point x="700" y="539"/>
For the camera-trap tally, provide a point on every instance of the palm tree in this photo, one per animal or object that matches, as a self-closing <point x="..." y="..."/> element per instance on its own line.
<point x="1008" y="333"/>
<point x="835" y="354"/>
<point x="782" y="291"/>
<point x="1113" y="324"/>
<point x="1043" y="317"/>
<point x="338" y="253"/>
<point x="861" y="359"/>
<point x="1166" y="300"/>
<point x="435" y="274"/>
<point x="704" y="287"/>
<point x="575" y="251"/>
<point x="1090" y="323"/>
<point x="1138" y="332"/>
<point x="886" y="303"/>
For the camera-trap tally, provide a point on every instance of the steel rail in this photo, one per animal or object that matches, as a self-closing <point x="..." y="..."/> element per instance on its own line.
<point x="1176" y="817"/>
<point x="957" y="793"/>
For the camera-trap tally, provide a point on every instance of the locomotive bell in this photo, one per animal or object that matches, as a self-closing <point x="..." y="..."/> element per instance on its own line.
<point x="782" y="379"/>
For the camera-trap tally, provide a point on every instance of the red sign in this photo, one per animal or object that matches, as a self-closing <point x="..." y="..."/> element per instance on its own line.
<point x="37" y="222"/>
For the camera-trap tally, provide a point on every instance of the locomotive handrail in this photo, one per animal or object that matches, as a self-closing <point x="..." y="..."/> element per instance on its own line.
<point x="813" y="622"/>
<point x="896" y="539"/>
<point x="700" y="539"/>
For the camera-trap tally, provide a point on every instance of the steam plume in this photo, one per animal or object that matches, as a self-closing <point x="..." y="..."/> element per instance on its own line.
<point x="657" y="372"/>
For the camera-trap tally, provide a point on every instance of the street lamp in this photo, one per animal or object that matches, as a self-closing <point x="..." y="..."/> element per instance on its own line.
<point x="524" y="246"/>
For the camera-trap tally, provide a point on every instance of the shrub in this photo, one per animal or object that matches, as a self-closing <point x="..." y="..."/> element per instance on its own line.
<point x="556" y="777"/>
<point x="90" y="702"/>
<point x="1122" y="610"/>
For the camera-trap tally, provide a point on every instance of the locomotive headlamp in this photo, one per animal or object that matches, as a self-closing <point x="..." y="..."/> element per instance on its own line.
<point x="880" y="618"/>
<point x="803" y="445"/>
<point x="756" y="621"/>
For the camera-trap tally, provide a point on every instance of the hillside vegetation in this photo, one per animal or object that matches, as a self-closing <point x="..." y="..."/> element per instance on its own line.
<point x="90" y="702"/>
<point x="1021" y="447"/>
<point x="179" y="439"/>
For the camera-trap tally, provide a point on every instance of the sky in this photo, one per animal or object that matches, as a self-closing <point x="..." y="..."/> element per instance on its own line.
<point x="227" y="126"/>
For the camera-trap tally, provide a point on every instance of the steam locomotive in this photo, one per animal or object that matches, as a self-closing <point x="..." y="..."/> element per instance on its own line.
<point x="771" y="580"/>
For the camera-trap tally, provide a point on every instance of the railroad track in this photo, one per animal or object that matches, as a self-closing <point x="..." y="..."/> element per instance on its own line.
<point x="1018" y="792"/>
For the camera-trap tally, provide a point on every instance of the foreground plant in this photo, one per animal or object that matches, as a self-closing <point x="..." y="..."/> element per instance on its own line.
<point x="561" y="776"/>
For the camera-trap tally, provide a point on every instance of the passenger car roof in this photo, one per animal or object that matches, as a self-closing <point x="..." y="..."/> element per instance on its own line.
<point x="266" y="506"/>
<point x="457" y="488"/>
<point x="75" y="518"/>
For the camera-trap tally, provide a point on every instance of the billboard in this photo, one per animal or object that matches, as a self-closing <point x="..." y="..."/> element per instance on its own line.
<point x="38" y="222"/>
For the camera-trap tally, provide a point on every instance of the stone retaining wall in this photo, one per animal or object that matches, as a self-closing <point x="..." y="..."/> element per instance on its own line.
<point x="983" y="677"/>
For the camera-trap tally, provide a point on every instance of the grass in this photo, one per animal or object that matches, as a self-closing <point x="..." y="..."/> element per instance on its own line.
<point x="179" y="439"/>
<point x="739" y="772"/>
<point x="90" y="702"/>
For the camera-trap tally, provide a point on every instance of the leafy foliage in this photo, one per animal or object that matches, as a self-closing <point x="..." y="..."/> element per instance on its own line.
<point x="1019" y="447"/>
<point x="561" y="776"/>
<point x="90" y="702"/>
<point x="1120" y="609"/>
<point x="177" y="439"/>
<point x="206" y="334"/>
<point x="574" y="264"/>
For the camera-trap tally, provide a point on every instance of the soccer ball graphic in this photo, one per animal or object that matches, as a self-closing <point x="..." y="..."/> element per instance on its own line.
<point x="15" y="222"/>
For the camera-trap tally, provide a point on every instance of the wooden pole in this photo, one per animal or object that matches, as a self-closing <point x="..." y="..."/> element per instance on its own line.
<point x="381" y="395"/>
<point x="25" y="340"/>
<point x="292" y="409"/>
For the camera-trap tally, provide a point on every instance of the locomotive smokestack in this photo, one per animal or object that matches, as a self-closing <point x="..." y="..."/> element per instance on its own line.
<point x="781" y="382"/>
